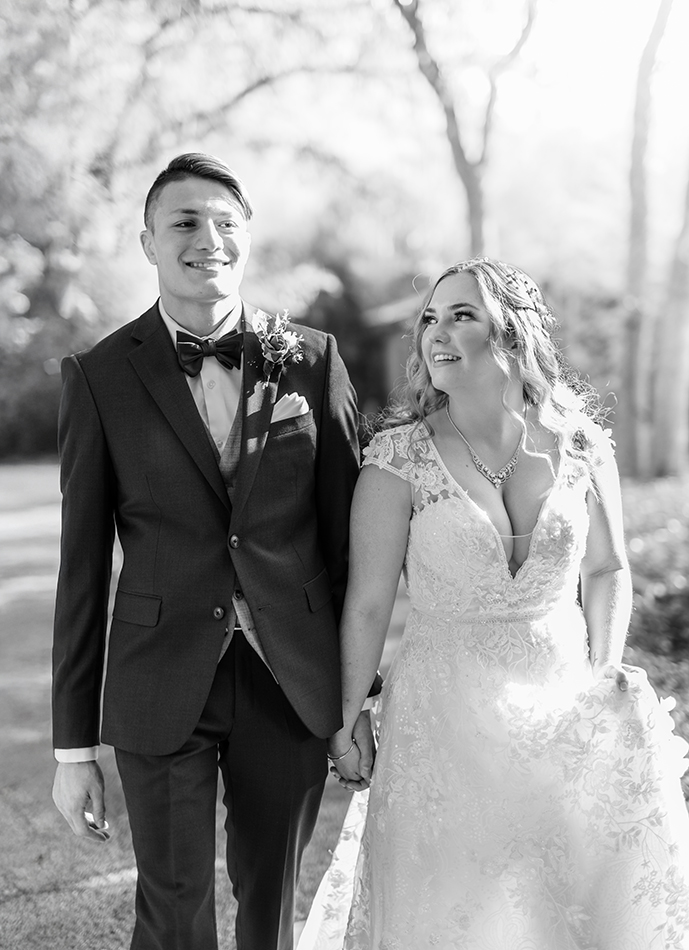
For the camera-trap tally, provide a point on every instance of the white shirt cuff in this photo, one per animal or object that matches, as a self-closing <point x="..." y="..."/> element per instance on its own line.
<point x="77" y="755"/>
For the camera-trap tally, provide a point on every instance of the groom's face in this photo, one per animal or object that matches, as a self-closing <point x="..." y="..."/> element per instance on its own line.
<point x="198" y="240"/>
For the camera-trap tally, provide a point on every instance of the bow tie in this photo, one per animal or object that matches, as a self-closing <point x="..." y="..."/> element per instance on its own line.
<point x="191" y="351"/>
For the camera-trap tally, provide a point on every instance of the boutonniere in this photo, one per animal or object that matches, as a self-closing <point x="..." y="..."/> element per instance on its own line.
<point x="280" y="347"/>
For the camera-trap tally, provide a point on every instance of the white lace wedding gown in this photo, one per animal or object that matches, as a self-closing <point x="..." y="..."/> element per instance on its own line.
<point x="517" y="804"/>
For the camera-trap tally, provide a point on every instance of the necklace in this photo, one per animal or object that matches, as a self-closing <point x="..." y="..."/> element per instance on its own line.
<point x="495" y="478"/>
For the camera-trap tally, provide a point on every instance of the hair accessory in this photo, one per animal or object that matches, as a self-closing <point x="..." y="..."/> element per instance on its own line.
<point x="495" y="478"/>
<point x="519" y="282"/>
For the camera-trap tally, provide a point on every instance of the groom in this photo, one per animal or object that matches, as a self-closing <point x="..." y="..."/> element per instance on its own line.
<point x="221" y="446"/>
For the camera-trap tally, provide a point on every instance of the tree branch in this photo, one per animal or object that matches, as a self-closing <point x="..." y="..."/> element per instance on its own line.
<point x="431" y="72"/>
<point x="504" y="62"/>
<point x="637" y="259"/>
<point x="496" y="69"/>
<point x="204" y="122"/>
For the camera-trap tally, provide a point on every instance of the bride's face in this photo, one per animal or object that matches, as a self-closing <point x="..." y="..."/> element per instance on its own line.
<point x="456" y="337"/>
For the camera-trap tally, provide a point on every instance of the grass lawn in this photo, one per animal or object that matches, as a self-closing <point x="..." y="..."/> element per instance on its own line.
<point x="57" y="891"/>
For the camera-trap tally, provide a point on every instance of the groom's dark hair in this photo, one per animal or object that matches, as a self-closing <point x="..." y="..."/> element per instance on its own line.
<point x="196" y="165"/>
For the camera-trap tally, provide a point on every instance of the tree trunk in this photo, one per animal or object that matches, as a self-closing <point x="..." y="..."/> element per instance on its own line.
<point x="474" y="190"/>
<point x="471" y="176"/>
<point x="671" y="403"/>
<point x="633" y="425"/>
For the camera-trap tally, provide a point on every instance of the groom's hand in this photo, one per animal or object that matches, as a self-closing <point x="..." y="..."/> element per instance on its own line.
<point x="79" y="793"/>
<point x="353" y="768"/>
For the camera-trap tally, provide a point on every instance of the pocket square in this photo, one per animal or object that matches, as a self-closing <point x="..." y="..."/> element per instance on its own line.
<point x="290" y="406"/>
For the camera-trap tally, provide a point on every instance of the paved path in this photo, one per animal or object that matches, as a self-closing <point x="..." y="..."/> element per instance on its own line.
<point x="48" y="877"/>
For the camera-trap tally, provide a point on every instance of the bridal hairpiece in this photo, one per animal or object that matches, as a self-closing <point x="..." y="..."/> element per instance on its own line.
<point x="519" y="282"/>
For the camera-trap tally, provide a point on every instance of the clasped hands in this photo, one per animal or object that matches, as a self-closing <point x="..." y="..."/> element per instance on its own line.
<point x="352" y="754"/>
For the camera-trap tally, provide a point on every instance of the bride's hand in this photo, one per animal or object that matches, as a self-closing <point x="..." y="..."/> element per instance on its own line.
<point x="345" y="763"/>
<point x="363" y="736"/>
<point x="612" y="672"/>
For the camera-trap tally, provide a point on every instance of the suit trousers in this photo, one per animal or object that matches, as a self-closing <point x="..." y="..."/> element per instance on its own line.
<point x="273" y="771"/>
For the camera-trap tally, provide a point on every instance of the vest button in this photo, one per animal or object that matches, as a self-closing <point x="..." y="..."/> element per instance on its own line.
<point x="218" y="613"/>
<point x="238" y="595"/>
<point x="234" y="541"/>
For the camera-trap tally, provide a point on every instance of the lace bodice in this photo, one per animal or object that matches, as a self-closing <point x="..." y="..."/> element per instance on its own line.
<point x="456" y="563"/>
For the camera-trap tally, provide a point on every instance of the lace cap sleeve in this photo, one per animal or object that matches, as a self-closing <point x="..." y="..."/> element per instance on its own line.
<point x="599" y="442"/>
<point x="389" y="450"/>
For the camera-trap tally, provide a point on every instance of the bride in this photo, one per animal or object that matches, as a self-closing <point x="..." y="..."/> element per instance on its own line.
<point x="526" y="789"/>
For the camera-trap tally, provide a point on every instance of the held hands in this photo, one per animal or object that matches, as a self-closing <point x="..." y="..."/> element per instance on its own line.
<point x="612" y="672"/>
<point x="352" y="757"/>
<point x="79" y="793"/>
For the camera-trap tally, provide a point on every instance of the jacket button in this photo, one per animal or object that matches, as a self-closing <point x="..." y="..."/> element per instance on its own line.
<point x="234" y="541"/>
<point x="218" y="613"/>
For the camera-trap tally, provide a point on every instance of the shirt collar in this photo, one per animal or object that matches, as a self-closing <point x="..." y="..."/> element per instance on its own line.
<point x="230" y="322"/>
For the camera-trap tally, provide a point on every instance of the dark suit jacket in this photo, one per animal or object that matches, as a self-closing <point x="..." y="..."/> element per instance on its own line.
<point x="136" y="458"/>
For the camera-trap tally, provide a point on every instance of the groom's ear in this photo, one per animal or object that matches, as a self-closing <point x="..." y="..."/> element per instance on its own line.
<point x="147" y="244"/>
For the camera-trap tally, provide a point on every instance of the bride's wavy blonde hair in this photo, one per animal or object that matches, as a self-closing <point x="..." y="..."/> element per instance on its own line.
<point x="520" y="316"/>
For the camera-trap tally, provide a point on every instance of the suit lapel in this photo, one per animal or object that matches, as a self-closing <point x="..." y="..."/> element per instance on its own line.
<point x="257" y="404"/>
<point x="155" y="362"/>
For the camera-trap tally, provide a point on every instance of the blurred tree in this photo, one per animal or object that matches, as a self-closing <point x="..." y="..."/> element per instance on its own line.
<point x="44" y="313"/>
<point x="670" y="454"/>
<point x="342" y="137"/>
<point x="634" y="424"/>
<point x="94" y="93"/>
<point x="471" y="171"/>
<point x="339" y="311"/>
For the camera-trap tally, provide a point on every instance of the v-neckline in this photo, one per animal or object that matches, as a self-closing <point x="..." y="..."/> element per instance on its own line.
<point x="465" y="494"/>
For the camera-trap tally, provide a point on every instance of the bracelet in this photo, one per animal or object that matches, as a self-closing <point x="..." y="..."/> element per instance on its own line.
<point x="335" y="758"/>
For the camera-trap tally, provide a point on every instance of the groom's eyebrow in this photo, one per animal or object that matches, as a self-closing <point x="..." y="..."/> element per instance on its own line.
<point x="229" y="212"/>
<point x="185" y="211"/>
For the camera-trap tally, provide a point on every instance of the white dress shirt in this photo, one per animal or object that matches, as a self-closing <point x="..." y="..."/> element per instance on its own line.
<point x="216" y="389"/>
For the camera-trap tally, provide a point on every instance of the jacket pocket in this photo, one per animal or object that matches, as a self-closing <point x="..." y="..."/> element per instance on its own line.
<point x="140" y="609"/>
<point x="293" y="424"/>
<point x="318" y="591"/>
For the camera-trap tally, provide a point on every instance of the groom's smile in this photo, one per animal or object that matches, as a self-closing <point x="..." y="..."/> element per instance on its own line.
<point x="211" y="266"/>
<point x="198" y="240"/>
